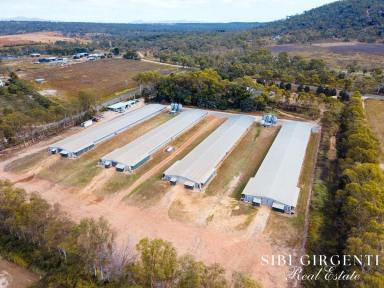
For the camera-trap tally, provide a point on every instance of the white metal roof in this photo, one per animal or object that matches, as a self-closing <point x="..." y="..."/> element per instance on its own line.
<point x="120" y="104"/>
<point x="144" y="146"/>
<point x="202" y="161"/>
<point x="96" y="134"/>
<point x="278" y="175"/>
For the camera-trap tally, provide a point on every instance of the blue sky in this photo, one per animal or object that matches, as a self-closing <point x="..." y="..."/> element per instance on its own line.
<point x="124" y="11"/>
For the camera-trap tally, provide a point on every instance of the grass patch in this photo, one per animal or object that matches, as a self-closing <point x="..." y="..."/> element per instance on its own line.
<point x="244" y="209"/>
<point x="375" y="116"/>
<point x="243" y="162"/>
<point x="79" y="172"/>
<point x="118" y="181"/>
<point x="293" y="226"/>
<point x="27" y="162"/>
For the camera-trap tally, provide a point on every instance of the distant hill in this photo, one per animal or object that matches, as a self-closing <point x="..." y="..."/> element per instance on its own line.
<point x="361" y="20"/>
<point x="346" y="19"/>
<point x="19" y="27"/>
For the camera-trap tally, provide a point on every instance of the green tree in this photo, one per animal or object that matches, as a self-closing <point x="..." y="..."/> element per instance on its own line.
<point x="157" y="264"/>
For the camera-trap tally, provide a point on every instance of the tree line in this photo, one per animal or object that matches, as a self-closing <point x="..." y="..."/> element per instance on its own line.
<point x="347" y="211"/>
<point x="207" y="89"/>
<point x="36" y="235"/>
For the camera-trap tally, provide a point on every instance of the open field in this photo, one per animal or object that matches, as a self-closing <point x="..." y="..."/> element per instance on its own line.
<point x="37" y="37"/>
<point x="338" y="54"/>
<point x="375" y="115"/>
<point x="79" y="172"/>
<point x="142" y="205"/>
<point x="101" y="78"/>
<point x="13" y="276"/>
<point x="242" y="163"/>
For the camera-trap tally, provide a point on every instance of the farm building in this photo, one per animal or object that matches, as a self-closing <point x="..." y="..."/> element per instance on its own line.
<point x="276" y="181"/>
<point x="136" y="153"/>
<point x="81" y="142"/>
<point x="47" y="59"/>
<point x="200" y="165"/>
<point x="122" y="106"/>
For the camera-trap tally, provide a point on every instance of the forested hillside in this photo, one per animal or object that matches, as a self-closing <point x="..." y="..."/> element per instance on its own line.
<point x="345" y="19"/>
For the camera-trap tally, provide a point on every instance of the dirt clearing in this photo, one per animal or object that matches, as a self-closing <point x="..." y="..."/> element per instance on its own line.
<point x="213" y="228"/>
<point x="37" y="37"/>
<point x="13" y="276"/>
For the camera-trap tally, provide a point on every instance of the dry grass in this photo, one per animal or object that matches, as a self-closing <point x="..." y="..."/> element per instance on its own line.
<point x="37" y="37"/>
<point x="101" y="78"/>
<point x="243" y="162"/>
<point x="25" y="163"/>
<point x="293" y="226"/>
<point x="154" y="188"/>
<point x="375" y="115"/>
<point x="79" y="172"/>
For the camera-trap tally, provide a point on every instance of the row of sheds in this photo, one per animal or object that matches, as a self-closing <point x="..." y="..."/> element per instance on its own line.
<point x="275" y="183"/>
<point x="75" y="145"/>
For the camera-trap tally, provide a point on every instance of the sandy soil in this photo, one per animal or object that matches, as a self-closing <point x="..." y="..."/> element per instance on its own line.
<point x="38" y="37"/>
<point x="13" y="276"/>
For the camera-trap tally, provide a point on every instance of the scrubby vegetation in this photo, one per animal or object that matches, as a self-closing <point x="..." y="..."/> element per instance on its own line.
<point x="67" y="254"/>
<point x="22" y="106"/>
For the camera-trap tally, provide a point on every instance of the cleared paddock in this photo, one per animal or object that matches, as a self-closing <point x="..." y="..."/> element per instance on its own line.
<point x="139" y="151"/>
<point x="87" y="139"/>
<point x="197" y="168"/>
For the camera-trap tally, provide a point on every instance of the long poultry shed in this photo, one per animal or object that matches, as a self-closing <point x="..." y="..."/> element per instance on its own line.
<point x="76" y="144"/>
<point x="197" y="168"/>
